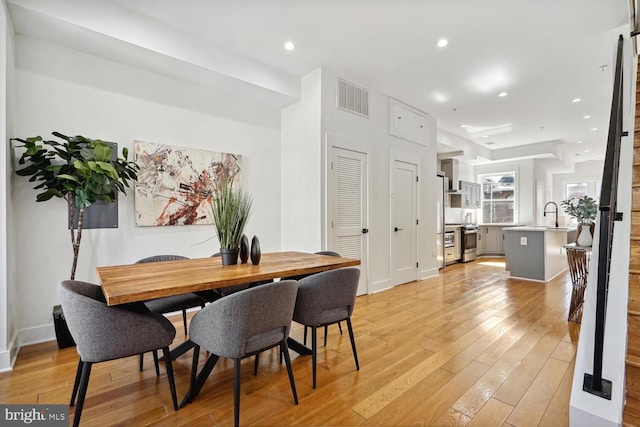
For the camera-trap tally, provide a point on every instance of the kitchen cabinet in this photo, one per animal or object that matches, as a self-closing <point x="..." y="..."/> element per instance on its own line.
<point x="492" y="238"/>
<point x="468" y="196"/>
<point x="476" y="197"/>
<point x="480" y="242"/>
<point x="535" y="253"/>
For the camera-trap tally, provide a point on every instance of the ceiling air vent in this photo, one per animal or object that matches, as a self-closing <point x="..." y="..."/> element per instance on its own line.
<point x="353" y="98"/>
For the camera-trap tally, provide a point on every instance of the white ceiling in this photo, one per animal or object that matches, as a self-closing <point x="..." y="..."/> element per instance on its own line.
<point x="543" y="53"/>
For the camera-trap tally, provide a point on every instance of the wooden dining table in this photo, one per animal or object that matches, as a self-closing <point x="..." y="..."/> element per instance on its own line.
<point x="123" y="284"/>
<point x="142" y="282"/>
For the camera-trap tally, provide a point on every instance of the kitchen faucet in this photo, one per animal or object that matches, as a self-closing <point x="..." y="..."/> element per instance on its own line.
<point x="554" y="211"/>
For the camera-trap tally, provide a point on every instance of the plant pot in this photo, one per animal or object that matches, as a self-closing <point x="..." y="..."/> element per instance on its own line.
<point x="63" y="336"/>
<point x="229" y="256"/>
<point x="585" y="235"/>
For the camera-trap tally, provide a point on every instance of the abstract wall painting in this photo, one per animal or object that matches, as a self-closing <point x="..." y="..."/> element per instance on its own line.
<point x="175" y="184"/>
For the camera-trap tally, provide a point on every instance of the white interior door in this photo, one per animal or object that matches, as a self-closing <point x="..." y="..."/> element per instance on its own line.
<point x="348" y="207"/>
<point x="404" y="214"/>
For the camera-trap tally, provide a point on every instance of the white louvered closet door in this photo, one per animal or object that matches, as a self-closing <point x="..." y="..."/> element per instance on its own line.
<point x="348" y="207"/>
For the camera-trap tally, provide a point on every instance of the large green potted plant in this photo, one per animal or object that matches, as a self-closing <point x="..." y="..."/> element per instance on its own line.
<point x="584" y="209"/>
<point x="79" y="170"/>
<point x="230" y="208"/>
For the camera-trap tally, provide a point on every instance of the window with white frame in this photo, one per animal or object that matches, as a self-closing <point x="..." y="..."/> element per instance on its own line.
<point x="498" y="198"/>
<point x="582" y="188"/>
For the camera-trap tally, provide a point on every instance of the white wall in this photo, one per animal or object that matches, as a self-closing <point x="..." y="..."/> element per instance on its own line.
<point x="372" y="134"/>
<point x="306" y="126"/>
<point x="8" y="298"/>
<point x="52" y="103"/>
<point x="584" y="171"/>
<point x="301" y="169"/>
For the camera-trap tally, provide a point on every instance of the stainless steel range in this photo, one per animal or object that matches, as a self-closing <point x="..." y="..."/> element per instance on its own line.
<point x="469" y="242"/>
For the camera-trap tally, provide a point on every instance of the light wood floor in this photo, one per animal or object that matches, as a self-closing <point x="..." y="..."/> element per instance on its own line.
<point x="470" y="347"/>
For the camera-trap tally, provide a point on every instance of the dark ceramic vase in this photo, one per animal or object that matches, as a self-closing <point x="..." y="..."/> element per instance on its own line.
<point x="255" y="250"/>
<point x="229" y="256"/>
<point x="244" y="249"/>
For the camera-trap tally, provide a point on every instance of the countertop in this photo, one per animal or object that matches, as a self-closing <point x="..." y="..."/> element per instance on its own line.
<point x="539" y="228"/>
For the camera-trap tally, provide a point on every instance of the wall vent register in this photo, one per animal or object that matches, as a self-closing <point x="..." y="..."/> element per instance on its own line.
<point x="353" y="98"/>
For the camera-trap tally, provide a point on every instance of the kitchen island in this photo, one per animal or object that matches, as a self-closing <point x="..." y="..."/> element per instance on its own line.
<point x="536" y="252"/>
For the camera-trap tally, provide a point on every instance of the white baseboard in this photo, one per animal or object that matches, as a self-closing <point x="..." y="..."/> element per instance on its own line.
<point x="8" y="358"/>
<point x="382" y="285"/>
<point x="6" y="364"/>
<point x="427" y="274"/>
<point x="37" y="335"/>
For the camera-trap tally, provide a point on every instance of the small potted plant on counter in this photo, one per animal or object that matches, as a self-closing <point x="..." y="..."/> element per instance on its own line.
<point x="584" y="209"/>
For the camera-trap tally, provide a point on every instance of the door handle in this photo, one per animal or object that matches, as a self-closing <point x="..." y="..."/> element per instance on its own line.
<point x="396" y="229"/>
<point x="365" y="230"/>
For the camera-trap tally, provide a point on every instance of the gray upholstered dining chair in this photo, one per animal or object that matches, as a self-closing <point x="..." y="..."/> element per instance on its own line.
<point x="175" y="302"/>
<point x="240" y="325"/>
<point x="324" y="299"/>
<point x="105" y="333"/>
<point x="172" y="303"/>
<point x="302" y="276"/>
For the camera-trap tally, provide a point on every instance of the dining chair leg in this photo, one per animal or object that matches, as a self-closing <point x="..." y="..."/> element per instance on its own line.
<point x="198" y="382"/>
<point x="172" y="383"/>
<point x="353" y="343"/>
<point x="304" y="341"/>
<point x="184" y="320"/>
<point x="194" y="365"/>
<point x="82" y="391"/>
<point x="236" y="392"/>
<point x="284" y="351"/>
<point x="326" y="332"/>
<point x="156" y="363"/>
<point x="141" y="361"/>
<point x="340" y="327"/>
<point x="192" y="378"/>
<point x="255" y="364"/>
<point x="314" y="352"/>
<point x="76" y="383"/>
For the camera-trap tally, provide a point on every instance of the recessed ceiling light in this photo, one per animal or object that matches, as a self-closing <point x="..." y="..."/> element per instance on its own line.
<point x="603" y="67"/>
<point x="289" y="46"/>
<point x="586" y="117"/>
<point x="463" y="126"/>
<point x="586" y="151"/>
<point x="594" y="128"/>
<point x="502" y="94"/>
<point x="485" y="136"/>
<point x="440" y="97"/>
<point x="578" y="142"/>
<point x="576" y="100"/>
<point x="443" y="42"/>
